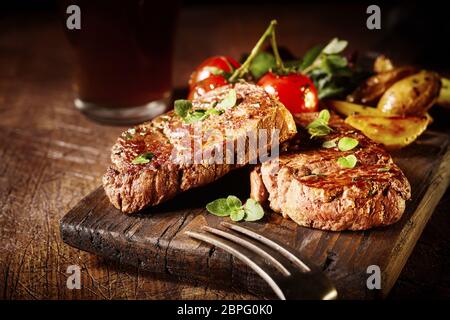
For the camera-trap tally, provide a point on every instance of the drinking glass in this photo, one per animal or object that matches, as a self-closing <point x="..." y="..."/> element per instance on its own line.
<point x="123" y="58"/>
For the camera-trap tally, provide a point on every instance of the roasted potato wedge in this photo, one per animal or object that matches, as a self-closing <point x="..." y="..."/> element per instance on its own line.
<point x="382" y="64"/>
<point x="413" y="95"/>
<point x="393" y="132"/>
<point x="375" y="86"/>
<point x="347" y="108"/>
<point x="444" y="94"/>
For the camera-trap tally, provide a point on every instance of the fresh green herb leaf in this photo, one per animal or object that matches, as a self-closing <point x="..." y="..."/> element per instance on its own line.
<point x="232" y="206"/>
<point x="324" y="115"/>
<point x="237" y="215"/>
<point x="348" y="161"/>
<point x="319" y="127"/>
<point x="182" y="107"/>
<point x="330" y="91"/>
<point x="201" y="114"/>
<point x="336" y="61"/>
<point x="346" y="143"/>
<point x="261" y="64"/>
<point x="196" y="115"/>
<point x="330" y="71"/>
<point x="234" y="203"/>
<point x="333" y="65"/>
<point x="219" y="207"/>
<point x="319" y="130"/>
<point x="310" y="56"/>
<point x="335" y="46"/>
<point x="143" y="158"/>
<point x="253" y="210"/>
<point x="214" y="112"/>
<point x="329" y="144"/>
<point x="229" y="101"/>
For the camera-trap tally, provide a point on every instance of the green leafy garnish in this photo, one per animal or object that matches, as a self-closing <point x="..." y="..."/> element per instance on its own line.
<point x="335" y="46"/>
<point x="219" y="207"/>
<point x="348" y="161"/>
<point x="330" y="70"/>
<point x="261" y="64"/>
<point x="253" y="210"/>
<point x="384" y="169"/>
<point x="196" y="115"/>
<point x="234" y="203"/>
<point x="329" y="144"/>
<point x="324" y="115"/>
<point x="183" y="108"/>
<point x="310" y="57"/>
<point x="319" y="127"/>
<point x="229" y="101"/>
<point x="214" y="111"/>
<point x="237" y="215"/>
<point x="232" y="207"/>
<point x="143" y="158"/>
<point x="346" y="143"/>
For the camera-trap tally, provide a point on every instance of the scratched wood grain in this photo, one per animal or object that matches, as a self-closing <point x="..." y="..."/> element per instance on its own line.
<point x="51" y="156"/>
<point x="155" y="239"/>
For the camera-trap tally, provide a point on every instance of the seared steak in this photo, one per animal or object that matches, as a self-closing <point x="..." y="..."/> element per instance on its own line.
<point x="310" y="187"/>
<point x="166" y="171"/>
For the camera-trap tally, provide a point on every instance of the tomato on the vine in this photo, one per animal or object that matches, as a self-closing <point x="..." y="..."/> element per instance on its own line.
<point x="210" y="74"/>
<point x="296" y="91"/>
<point x="208" y="84"/>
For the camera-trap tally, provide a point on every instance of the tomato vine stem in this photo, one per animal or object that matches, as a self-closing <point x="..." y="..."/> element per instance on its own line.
<point x="244" y="68"/>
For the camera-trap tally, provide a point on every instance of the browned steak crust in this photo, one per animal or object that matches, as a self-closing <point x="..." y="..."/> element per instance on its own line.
<point x="132" y="187"/>
<point x="311" y="188"/>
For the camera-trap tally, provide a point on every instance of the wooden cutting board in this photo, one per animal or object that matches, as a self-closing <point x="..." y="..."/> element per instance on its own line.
<point x="155" y="240"/>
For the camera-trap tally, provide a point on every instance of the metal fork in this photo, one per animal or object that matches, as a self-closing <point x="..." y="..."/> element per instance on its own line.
<point x="289" y="276"/>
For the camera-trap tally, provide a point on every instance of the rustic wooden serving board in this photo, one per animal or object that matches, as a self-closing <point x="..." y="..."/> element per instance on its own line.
<point x="155" y="240"/>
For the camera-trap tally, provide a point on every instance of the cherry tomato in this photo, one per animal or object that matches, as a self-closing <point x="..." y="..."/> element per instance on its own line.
<point x="208" y="84"/>
<point x="211" y="74"/>
<point x="212" y="66"/>
<point x="296" y="91"/>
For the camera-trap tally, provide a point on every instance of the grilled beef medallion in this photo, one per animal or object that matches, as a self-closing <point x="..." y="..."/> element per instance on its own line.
<point x="149" y="162"/>
<point x="308" y="185"/>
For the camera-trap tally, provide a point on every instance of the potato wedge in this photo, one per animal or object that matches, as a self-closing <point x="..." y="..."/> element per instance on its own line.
<point x="444" y="95"/>
<point x="382" y="64"/>
<point x="413" y="95"/>
<point x="375" y="86"/>
<point x="393" y="132"/>
<point x="347" y="108"/>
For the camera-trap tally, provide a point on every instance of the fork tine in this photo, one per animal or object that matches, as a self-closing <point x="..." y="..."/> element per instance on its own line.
<point x="234" y="249"/>
<point x="286" y="253"/>
<point x="249" y="245"/>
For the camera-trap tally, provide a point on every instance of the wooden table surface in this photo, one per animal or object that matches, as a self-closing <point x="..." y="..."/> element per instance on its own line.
<point x="52" y="156"/>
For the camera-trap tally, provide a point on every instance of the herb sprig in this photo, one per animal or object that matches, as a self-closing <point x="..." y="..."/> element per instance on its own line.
<point x="348" y="162"/>
<point x="330" y="70"/>
<point x="143" y="158"/>
<point x="319" y="127"/>
<point x="183" y="108"/>
<point x="233" y="207"/>
<point x="346" y="144"/>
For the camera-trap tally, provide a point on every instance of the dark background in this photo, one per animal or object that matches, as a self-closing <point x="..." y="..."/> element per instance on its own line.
<point x="36" y="95"/>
